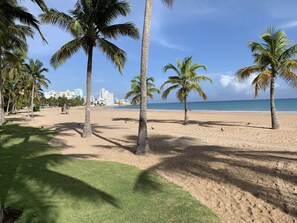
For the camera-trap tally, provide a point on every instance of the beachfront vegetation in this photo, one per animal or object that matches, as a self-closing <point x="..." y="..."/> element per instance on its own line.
<point x="187" y="80"/>
<point x="136" y="89"/>
<point x="22" y="83"/>
<point x="15" y="23"/>
<point x="37" y="80"/>
<point x="142" y="139"/>
<point x="91" y="25"/>
<point x="50" y="187"/>
<point x="273" y="58"/>
<point x="61" y="101"/>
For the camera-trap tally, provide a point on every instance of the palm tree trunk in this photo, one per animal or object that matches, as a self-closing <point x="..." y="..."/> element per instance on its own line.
<point x="1" y="94"/>
<point x="186" y="120"/>
<point x="87" y="127"/>
<point x="142" y="141"/>
<point x="32" y="99"/>
<point x="7" y="109"/>
<point x="274" y="120"/>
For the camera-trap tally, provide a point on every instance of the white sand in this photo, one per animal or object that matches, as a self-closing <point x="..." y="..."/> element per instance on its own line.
<point x="231" y="162"/>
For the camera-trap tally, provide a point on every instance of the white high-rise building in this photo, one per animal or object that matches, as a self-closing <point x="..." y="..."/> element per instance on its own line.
<point x="78" y="93"/>
<point x="67" y="94"/>
<point x="105" y="97"/>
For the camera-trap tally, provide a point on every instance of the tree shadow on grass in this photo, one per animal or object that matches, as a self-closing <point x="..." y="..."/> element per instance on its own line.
<point x="28" y="179"/>
<point x="188" y="157"/>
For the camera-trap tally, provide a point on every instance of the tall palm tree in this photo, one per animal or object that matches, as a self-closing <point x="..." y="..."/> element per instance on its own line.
<point x="273" y="58"/>
<point x="91" y="25"/>
<point x="12" y="39"/>
<point x="186" y="80"/>
<point x="136" y="89"/>
<point x="35" y="70"/>
<point x="142" y="140"/>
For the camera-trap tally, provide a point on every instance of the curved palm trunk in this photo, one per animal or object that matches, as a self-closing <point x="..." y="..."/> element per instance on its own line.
<point x="87" y="127"/>
<point x="32" y="100"/>
<point x="1" y="95"/>
<point x="274" y="120"/>
<point x="142" y="141"/>
<point x="186" y="120"/>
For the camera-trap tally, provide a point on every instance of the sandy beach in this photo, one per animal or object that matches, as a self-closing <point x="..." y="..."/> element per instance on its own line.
<point x="231" y="162"/>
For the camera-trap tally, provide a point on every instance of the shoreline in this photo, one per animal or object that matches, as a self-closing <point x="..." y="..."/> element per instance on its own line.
<point x="201" y="111"/>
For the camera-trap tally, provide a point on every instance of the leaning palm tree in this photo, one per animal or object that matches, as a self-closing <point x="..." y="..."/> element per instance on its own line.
<point x="136" y="89"/>
<point x="186" y="80"/>
<point x="91" y="25"/>
<point x="35" y="70"/>
<point x="142" y="140"/>
<point x="273" y="58"/>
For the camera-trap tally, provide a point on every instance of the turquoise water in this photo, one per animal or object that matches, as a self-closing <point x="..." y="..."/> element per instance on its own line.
<point x="286" y="105"/>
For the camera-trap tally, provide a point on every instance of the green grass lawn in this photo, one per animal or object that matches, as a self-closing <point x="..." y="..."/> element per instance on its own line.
<point x="50" y="187"/>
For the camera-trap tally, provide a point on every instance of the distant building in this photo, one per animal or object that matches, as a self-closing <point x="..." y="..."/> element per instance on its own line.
<point x="67" y="94"/>
<point x="92" y="99"/>
<point x="121" y="101"/>
<point x="78" y="93"/>
<point x="105" y="97"/>
<point x="50" y="94"/>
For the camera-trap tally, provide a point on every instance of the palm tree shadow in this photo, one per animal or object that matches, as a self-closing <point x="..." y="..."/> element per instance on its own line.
<point x="207" y="124"/>
<point x="27" y="176"/>
<point x="228" y="165"/>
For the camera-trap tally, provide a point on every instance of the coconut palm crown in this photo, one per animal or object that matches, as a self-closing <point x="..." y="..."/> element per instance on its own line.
<point x="136" y="89"/>
<point x="91" y="25"/>
<point x="35" y="71"/>
<point x="273" y="58"/>
<point x="187" y="80"/>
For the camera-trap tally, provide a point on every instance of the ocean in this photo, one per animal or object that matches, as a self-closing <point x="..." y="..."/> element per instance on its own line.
<point x="260" y="105"/>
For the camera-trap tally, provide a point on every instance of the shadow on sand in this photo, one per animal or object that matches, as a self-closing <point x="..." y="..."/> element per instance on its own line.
<point x="208" y="124"/>
<point x="232" y="166"/>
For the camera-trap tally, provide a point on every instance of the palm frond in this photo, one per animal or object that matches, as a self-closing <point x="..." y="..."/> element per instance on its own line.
<point x="171" y="67"/>
<point x="66" y="51"/>
<point x="114" y="53"/>
<point x="125" y="29"/>
<point x="245" y="72"/>
<point x="169" y="3"/>
<point x="168" y="90"/>
<point x="262" y="81"/>
<point x="55" y="17"/>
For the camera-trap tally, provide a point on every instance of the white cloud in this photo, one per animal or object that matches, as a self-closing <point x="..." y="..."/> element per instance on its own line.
<point x="290" y="24"/>
<point x="228" y="81"/>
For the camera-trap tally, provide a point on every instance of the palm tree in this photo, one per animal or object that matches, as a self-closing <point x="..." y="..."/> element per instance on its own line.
<point x="10" y="11"/>
<point x="142" y="140"/>
<point x="136" y="89"/>
<point x="12" y="40"/>
<point x="272" y="58"/>
<point x="90" y="23"/>
<point x="38" y="80"/>
<point x="186" y="80"/>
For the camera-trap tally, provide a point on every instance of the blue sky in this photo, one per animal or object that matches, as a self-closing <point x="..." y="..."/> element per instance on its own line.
<point x="214" y="32"/>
